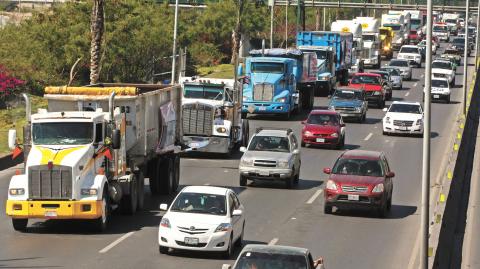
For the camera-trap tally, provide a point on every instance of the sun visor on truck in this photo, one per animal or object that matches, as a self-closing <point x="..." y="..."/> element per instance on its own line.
<point x="119" y="91"/>
<point x="287" y="53"/>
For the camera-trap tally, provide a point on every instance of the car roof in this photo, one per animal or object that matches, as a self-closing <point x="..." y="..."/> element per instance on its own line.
<point x="358" y="153"/>
<point x="367" y="74"/>
<point x="405" y="103"/>
<point x="409" y="46"/>
<point x="324" y="112"/>
<point x="273" y="132"/>
<point x="275" y="249"/>
<point x="442" y="60"/>
<point x="206" y="189"/>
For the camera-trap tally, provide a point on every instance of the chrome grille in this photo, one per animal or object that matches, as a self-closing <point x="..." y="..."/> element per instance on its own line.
<point x="263" y="92"/>
<point x="344" y="108"/>
<point x="197" y="119"/>
<point x="439" y="75"/>
<point x="369" y="93"/>
<point x="265" y="163"/>
<point x="406" y="123"/>
<point x="50" y="184"/>
<point x="191" y="230"/>
<point x="356" y="189"/>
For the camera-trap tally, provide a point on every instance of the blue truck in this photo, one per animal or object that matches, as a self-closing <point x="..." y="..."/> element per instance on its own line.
<point x="334" y="53"/>
<point x="279" y="81"/>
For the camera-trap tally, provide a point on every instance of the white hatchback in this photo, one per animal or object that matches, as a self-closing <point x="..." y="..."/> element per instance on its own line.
<point x="202" y="218"/>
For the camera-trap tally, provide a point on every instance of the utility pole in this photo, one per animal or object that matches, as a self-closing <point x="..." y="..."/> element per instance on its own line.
<point x="477" y="47"/>
<point x="324" y="19"/>
<point x="317" y="19"/>
<point x="465" y="59"/>
<point x="174" y="55"/>
<point x="286" y="24"/>
<point x="272" y="10"/>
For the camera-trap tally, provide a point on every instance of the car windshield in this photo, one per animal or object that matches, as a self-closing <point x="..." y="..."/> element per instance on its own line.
<point x="439" y="28"/>
<point x="366" y="80"/>
<point x="62" y="133"/>
<point x="269" y="143"/>
<point x="202" y="203"/>
<point x="323" y="119"/>
<point x="439" y="83"/>
<point x="398" y="63"/>
<point x="459" y="41"/>
<point x="405" y="108"/>
<point x="441" y="65"/>
<point x="203" y="92"/>
<point x="368" y="37"/>
<point x="395" y="27"/>
<point x="259" y="260"/>
<point x="451" y="21"/>
<point x="347" y="95"/>
<point x="358" y="167"/>
<point x="393" y="71"/>
<point x="276" y="68"/>
<point x="409" y="50"/>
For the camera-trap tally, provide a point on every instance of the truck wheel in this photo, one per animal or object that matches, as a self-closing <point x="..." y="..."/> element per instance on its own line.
<point x="167" y="176"/>
<point x="129" y="202"/>
<point x="154" y="173"/>
<point x="141" y="191"/>
<point x="20" y="224"/>
<point x="176" y="181"/>
<point x="245" y="132"/>
<point x="243" y="181"/>
<point x="100" y="224"/>
<point x="286" y="116"/>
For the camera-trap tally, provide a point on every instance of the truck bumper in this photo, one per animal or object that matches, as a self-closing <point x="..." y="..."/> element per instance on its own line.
<point x="54" y="209"/>
<point x="213" y="144"/>
<point x="265" y="108"/>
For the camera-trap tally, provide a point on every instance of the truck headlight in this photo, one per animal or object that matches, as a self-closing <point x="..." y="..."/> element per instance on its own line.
<point x="283" y="164"/>
<point x="246" y="162"/>
<point x="17" y="191"/>
<point x="223" y="227"/>
<point x="88" y="192"/>
<point x="221" y="130"/>
<point x="378" y="188"/>
<point x="331" y="185"/>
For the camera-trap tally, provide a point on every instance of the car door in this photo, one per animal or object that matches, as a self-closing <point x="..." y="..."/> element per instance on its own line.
<point x="235" y="219"/>
<point x="296" y="156"/>
<point x="241" y="219"/>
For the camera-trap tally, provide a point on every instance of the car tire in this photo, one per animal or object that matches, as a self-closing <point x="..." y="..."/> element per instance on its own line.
<point x="383" y="210"/>
<point x="302" y="144"/>
<point x="327" y="209"/>
<point x="290" y="182"/>
<point x="163" y="250"/>
<point x="341" y="143"/>
<point x="101" y="224"/>
<point x="229" y="252"/>
<point x="297" y="179"/>
<point x="364" y="117"/>
<point x="389" y="204"/>
<point x="20" y="224"/>
<point x="243" y="181"/>
<point x="385" y="133"/>
<point x="239" y="241"/>
<point x="453" y="82"/>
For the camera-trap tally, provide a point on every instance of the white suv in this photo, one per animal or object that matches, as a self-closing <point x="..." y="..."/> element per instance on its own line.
<point x="440" y="89"/>
<point x="272" y="154"/>
<point x="403" y="118"/>
<point x="411" y="53"/>
<point x="444" y="69"/>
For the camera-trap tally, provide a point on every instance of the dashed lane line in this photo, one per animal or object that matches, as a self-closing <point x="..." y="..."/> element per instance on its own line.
<point x="314" y="196"/>
<point x="273" y="241"/>
<point x="368" y="136"/>
<point x="415" y="84"/>
<point x="407" y="94"/>
<point x="116" y="242"/>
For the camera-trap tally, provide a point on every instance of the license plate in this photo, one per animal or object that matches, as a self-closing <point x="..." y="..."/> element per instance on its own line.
<point x="353" y="197"/>
<point x="436" y="96"/>
<point x="403" y="128"/>
<point x="50" y="214"/>
<point x="264" y="173"/>
<point x="320" y="140"/>
<point x="262" y="108"/>
<point x="194" y="145"/>
<point x="191" y="241"/>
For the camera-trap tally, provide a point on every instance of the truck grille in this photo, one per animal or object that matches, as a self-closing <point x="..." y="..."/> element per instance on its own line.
<point x="263" y="92"/>
<point x="54" y="184"/>
<point x="197" y="119"/>
<point x="357" y="189"/>
<point x="406" y="123"/>
<point x="265" y="163"/>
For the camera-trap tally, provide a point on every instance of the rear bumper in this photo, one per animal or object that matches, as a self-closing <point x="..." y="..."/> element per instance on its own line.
<point x="54" y="209"/>
<point x="374" y="98"/>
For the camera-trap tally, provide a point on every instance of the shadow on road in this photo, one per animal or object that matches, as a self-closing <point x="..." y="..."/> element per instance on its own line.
<point x="303" y="184"/>
<point x="397" y="212"/>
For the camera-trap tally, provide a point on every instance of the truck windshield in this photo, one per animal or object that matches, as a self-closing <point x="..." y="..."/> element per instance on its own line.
<point x="321" y="54"/>
<point x="368" y="37"/>
<point x="251" y="259"/>
<point x="269" y="143"/>
<point x="276" y="68"/>
<point x="441" y="65"/>
<point x="439" y="28"/>
<point x="451" y="21"/>
<point x="62" y="133"/>
<point x="358" y="167"/>
<point x="395" y="27"/>
<point x="203" y="92"/>
<point x="414" y="23"/>
<point x="459" y="41"/>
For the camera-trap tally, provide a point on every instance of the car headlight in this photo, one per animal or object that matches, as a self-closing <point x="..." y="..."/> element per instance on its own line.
<point x="165" y="223"/>
<point x="221" y="130"/>
<point x="331" y="108"/>
<point x="419" y="121"/>
<point x="246" y="162"/>
<point x="282" y="100"/>
<point x="223" y="227"/>
<point x="307" y="133"/>
<point x="17" y="191"/>
<point x="358" y="109"/>
<point x="376" y="93"/>
<point x="88" y="192"/>
<point x="283" y="164"/>
<point x="331" y="185"/>
<point x="325" y="78"/>
<point x="334" y="135"/>
<point x="378" y="188"/>
<point x="387" y="120"/>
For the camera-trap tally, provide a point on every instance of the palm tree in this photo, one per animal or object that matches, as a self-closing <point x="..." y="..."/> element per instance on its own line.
<point x="97" y="21"/>
<point x="237" y="32"/>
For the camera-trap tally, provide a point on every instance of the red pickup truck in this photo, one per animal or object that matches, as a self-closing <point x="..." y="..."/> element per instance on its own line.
<point x="373" y="86"/>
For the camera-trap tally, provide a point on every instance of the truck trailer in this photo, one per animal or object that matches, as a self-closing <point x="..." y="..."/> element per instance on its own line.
<point x="359" y="51"/>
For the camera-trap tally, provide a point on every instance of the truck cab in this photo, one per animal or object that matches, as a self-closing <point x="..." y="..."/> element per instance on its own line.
<point x="371" y="40"/>
<point x="326" y="58"/>
<point x="397" y="24"/>
<point x="386" y="37"/>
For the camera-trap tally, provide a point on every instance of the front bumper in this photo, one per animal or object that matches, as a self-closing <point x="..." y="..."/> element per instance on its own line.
<point x="54" y="209"/>
<point x="265" y="173"/>
<point x="405" y="75"/>
<point x="397" y="84"/>
<point x="216" y="144"/>
<point x="350" y="113"/>
<point x="167" y="237"/>
<point x="365" y="200"/>
<point x="439" y="96"/>
<point x="320" y="140"/>
<point x="393" y="129"/>
<point x="371" y="61"/>
<point x="265" y="108"/>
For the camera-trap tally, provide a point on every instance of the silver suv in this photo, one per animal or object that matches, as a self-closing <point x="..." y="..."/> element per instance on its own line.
<point x="272" y="154"/>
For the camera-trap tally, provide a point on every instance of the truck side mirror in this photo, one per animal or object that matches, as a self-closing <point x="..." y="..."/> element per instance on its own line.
<point x="12" y="139"/>
<point x="116" y="139"/>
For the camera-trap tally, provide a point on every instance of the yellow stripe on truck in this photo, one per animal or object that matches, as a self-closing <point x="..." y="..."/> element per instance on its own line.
<point x="128" y="91"/>
<point x="54" y="209"/>
<point x="56" y="157"/>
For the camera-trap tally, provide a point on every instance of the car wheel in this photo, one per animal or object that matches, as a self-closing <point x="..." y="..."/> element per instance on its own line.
<point x="447" y="100"/>
<point x="229" y="252"/>
<point x="243" y="181"/>
<point x="364" y="117"/>
<point x="239" y="241"/>
<point x="289" y="182"/>
<point x="327" y="209"/>
<point x="389" y="204"/>
<point x="297" y="178"/>
<point x="303" y="144"/>
<point x="341" y="143"/>
<point x="163" y="250"/>
<point x="385" y="133"/>
<point x="383" y="210"/>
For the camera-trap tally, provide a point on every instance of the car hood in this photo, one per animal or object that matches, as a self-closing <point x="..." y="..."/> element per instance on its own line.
<point x="321" y="129"/>
<point x="192" y="219"/>
<point x="403" y="116"/>
<point x="402" y="68"/>
<point x="396" y="78"/>
<point x="346" y="103"/>
<point x="366" y="87"/>
<point x="267" y="155"/>
<point x="442" y="71"/>
<point x="356" y="180"/>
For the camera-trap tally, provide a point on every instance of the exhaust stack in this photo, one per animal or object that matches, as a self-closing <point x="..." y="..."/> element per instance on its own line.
<point x="28" y="108"/>
<point x="111" y="105"/>
<point x="263" y="47"/>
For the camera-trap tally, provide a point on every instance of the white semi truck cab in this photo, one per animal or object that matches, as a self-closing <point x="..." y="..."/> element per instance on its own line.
<point x="371" y="40"/>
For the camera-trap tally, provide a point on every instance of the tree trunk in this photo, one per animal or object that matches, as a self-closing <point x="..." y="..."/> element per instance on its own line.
<point x="317" y="19"/>
<point x="237" y="32"/>
<point x="96" y="28"/>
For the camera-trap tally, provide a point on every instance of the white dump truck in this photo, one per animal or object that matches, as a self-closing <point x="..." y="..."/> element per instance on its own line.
<point x="371" y="40"/>
<point x="358" y="50"/>
<point x="397" y="24"/>
<point x="211" y="110"/>
<point x="88" y="153"/>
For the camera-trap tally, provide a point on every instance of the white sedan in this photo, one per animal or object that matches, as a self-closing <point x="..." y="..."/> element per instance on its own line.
<point x="202" y="218"/>
<point x="403" y="118"/>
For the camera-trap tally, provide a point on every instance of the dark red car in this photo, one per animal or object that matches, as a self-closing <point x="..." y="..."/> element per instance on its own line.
<point x="414" y="37"/>
<point x="323" y="127"/>
<point x="373" y="85"/>
<point x="359" y="179"/>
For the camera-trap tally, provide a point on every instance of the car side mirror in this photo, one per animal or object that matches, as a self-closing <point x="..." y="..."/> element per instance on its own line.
<point x="12" y="138"/>
<point x="116" y="139"/>
<point x="390" y="174"/>
<point x="237" y="212"/>
<point x="243" y="149"/>
<point x="226" y="266"/>
<point x="343" y="125"/>
<point x="385" y="109"/>
<point x="163" y="207"/>
<point x="327" y="171"/>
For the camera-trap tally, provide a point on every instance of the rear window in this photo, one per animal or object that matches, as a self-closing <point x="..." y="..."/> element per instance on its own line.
<point x="259" y="260"/>
<point x="409" y="50"/>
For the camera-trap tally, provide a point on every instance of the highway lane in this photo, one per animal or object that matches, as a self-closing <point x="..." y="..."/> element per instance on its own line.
<point x="348" y="239"/>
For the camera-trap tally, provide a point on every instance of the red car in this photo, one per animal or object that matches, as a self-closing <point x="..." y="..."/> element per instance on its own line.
<point x="359" y="179"/>
<point x="373" y="85"/>
<point x="414" y="37"/>
<point x="323" y="127"/>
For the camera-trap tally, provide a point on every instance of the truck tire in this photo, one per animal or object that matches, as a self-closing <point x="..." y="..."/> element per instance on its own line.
<point x="20" y="224"/>
<point x="153" y="175"/>
<point x="176" y="172"/>
<point x="130" y="201"/>
<point x="243" y="181"/>
<point x="101" y="224"/>
<point x="166" y="176"/>
<point x="245" y="132"/>
<point x="141" y="191"/>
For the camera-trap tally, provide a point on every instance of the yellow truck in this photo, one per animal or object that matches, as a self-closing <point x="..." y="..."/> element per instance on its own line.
<point x="386" y="37"/>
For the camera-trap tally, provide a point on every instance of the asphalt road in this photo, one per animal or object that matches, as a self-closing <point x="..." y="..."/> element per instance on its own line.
<point x="295" y="217"/>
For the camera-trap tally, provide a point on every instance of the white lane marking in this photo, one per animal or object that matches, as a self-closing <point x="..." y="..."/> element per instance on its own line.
<point x="422" y="75"/>
<point x="368" y="136"/>
<point x="293" y="218"/>
<point x="314" y="196"/>
<point x="414" y="252"/>
<point x="415" y="84"/>
<point x="116" y="242"/>
<point x="407" y="94"/>
<point x="273" y="241"/>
